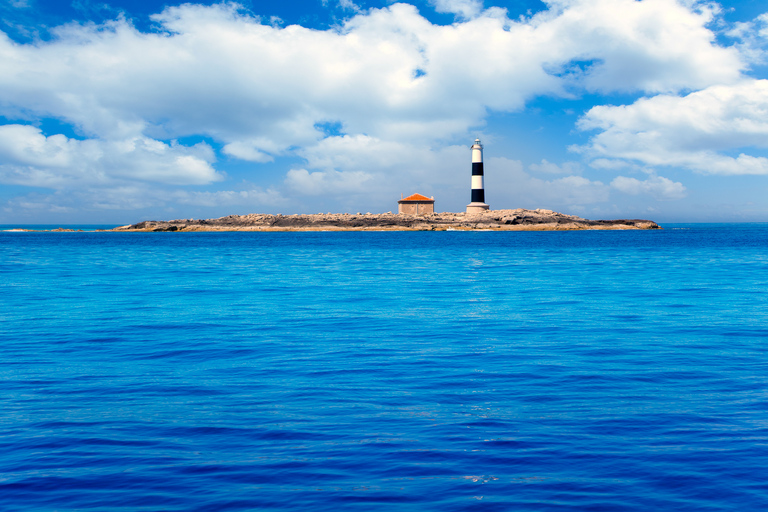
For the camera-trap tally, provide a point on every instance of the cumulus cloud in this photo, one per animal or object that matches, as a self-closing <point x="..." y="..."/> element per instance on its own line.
<point x="696" y="131"/>
<point x="395" y="84"/>
<point x="356" y="151"/>
<point x="657" y="186"/>
<point x="247" y="151"/>
<point x="611" y="164"/>
<point x="106" y="201"/>
<point x="576" y="190"/>
<point x="390" y="73"/>
<point x="380" y="169"/>
<point x="547" y="167"/>
<point x="512" y="186"/>
<point x="253" y="196"/>
<point x="103" y="200"/>
<point x="465" y="9"/>
<point x="349" y="5"/>
<point x="326" y="182"/>
<point x="752" y="39"/>
<point x="27" y="157"/>
<point x="652" y="46"/>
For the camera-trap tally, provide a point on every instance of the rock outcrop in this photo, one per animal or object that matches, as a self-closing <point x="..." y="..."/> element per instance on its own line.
<point x="497" y="220"/>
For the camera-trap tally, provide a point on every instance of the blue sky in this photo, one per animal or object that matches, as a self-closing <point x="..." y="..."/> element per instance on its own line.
<point x="116" y="112"/>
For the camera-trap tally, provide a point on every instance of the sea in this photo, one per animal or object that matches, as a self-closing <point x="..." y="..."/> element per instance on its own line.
<point x="377" y="371"/>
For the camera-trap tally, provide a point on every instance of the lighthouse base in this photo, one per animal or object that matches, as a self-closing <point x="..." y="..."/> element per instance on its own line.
<point x="477" y="207"/>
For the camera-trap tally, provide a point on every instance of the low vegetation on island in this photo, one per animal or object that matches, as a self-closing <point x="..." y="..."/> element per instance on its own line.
<point x="496" y="220"/>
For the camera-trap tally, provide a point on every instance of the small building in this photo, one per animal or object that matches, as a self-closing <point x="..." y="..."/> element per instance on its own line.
<point x="416" y="204"/>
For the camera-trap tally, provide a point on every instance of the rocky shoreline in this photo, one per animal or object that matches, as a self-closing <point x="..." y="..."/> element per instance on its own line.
<point x="495" y="220"/>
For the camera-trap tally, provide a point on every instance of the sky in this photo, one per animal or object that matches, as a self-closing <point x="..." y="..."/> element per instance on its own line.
<point x="130" y="110"/>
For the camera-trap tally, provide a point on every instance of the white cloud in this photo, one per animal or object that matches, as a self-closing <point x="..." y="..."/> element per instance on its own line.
<point x="349" y="5"/>
<point x="509" y="186"/>
<point x="752" y="39"/>
<point x="612" y="164"/>
<point x="397" y="85"/>
<point x="465" y="9"/>
<point x="388" y="73"/>
<point x="356" y="151"/>
<point x="246" y="151"/>
<point x="652" y="46"/>
<point x="577" y="190"/>
<point x="27" y="157"/>
<point x="547" y="167"/>
<point x="125" y="197"/>
<point x="388" y="166"/>
<point x="250" y="197"/>
<point x="696" y="131"/>
<point x="326" y="182"/>
<point x="26" y="145"/>
<point x="142" y="196"/>
<point x="657" y="186"/>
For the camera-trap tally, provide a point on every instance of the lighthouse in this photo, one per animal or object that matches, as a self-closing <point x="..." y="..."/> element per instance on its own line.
<point x="478" y="192"/>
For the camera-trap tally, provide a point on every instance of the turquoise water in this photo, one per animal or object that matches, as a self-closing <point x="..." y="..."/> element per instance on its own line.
<point x="385" y="371"/>
<point x="49" y="227"/>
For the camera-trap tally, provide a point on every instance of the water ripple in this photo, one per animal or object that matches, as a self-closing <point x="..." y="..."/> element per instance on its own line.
<point x="378" y="371"/>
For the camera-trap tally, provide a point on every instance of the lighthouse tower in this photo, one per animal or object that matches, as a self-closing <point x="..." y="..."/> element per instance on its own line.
<point x="478" y="192"/>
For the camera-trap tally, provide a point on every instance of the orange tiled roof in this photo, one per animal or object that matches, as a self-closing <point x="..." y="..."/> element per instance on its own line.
<point x="417" y="197"/>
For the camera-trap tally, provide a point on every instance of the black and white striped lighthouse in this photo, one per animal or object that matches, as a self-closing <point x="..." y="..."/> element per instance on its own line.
<point x="478" y="192"/>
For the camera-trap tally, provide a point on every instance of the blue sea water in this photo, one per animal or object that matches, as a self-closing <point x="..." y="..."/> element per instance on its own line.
<point x="50" y="227"/>
<point x="437" y="371"/>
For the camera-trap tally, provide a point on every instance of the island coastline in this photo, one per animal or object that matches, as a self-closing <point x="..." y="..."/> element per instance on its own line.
<point x="491" y="220"/>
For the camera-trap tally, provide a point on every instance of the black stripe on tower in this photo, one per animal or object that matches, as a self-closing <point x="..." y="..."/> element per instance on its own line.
<point x="478" y="194"/>
<point x="477" y="168"/>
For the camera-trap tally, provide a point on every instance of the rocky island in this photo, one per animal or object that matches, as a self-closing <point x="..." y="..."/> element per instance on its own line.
<point x="495" y="220"/>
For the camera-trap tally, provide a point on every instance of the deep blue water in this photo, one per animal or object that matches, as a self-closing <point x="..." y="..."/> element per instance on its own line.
<point x="385" y="371"/>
